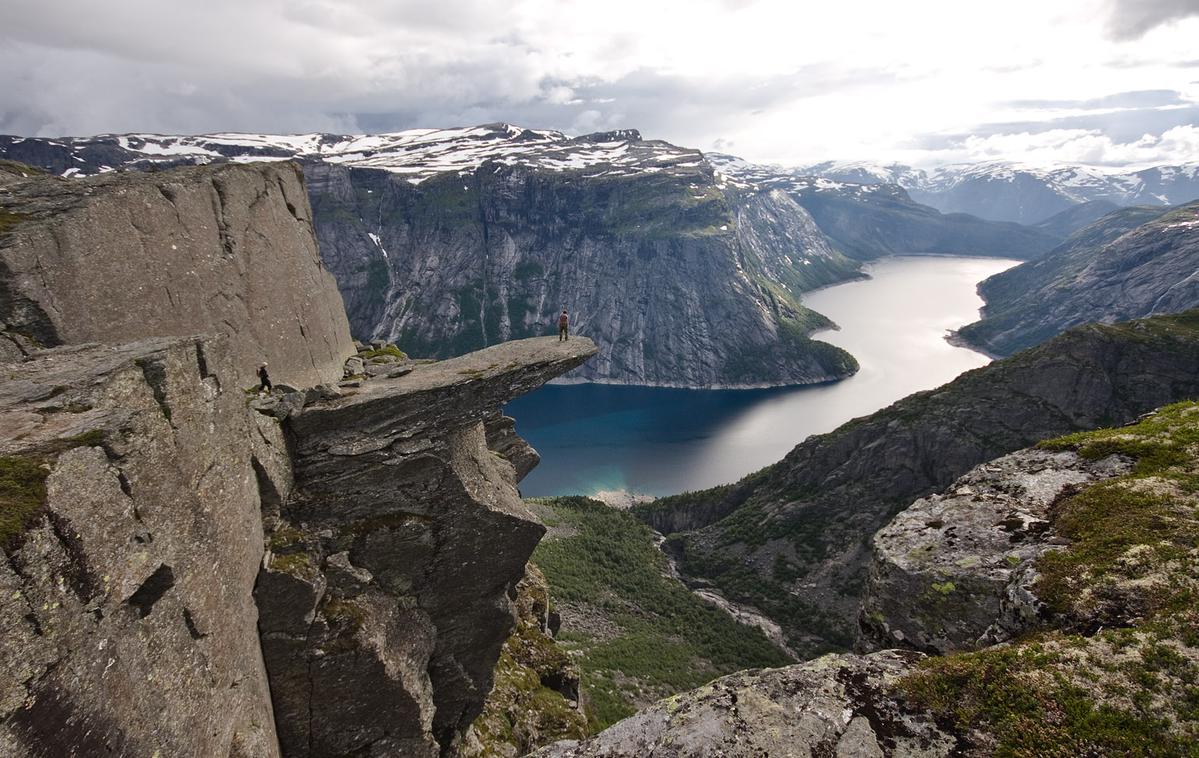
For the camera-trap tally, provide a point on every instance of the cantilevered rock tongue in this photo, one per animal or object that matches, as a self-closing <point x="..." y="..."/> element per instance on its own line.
<point x="398" y="551"/>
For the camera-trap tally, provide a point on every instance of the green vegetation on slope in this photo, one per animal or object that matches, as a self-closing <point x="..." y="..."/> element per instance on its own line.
<point x="640" y="634"/>
<point x="1121" y="677"/>
<point x="22" y="495"/>
<point x="528" y="705"/>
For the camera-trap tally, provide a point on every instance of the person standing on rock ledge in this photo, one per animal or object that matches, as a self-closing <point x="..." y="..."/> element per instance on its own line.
<point x="563" y="326"/>
<point x="264" y="380"/>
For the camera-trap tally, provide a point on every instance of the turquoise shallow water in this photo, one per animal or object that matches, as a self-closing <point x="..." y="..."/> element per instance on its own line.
<point x="656" y="441"/>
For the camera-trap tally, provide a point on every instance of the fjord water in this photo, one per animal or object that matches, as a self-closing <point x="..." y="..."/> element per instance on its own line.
<point x="656" y="441"/>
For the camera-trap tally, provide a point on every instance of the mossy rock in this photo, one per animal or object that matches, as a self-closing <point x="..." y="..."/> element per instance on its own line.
<point x="22" y="498"/>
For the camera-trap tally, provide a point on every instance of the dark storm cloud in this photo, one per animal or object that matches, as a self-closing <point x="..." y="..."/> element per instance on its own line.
<point x="1133" y="18"/>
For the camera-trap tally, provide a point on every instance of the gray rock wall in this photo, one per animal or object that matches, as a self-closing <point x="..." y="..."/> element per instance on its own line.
<point x="228" y="249"/>
<point x="129" y="627"/>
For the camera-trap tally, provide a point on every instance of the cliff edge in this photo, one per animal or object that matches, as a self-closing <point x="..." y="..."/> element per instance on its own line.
<point x="193" y="570"/>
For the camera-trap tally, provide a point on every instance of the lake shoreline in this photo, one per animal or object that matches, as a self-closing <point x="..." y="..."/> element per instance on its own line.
<point x="658" y="440"/>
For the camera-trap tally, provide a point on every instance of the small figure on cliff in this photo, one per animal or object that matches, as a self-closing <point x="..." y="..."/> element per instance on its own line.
<point x="264" y="379"/>
<point x="563" y="326"/>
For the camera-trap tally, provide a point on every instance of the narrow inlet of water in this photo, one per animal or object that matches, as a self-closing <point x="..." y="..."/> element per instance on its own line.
<point x="655" y="441"/>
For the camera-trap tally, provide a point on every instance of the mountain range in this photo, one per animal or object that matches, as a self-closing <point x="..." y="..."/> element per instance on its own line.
<point x="687" y="269"/>
<point x="1003" y="191"/>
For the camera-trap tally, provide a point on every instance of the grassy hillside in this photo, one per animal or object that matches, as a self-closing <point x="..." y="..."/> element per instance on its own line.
<point x="638" y="633"/>
<point x="1120" y="675"/>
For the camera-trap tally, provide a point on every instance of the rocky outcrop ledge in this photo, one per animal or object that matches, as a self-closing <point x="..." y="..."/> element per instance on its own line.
<point x="386" y="593"/>
<point x="139" y="488"/>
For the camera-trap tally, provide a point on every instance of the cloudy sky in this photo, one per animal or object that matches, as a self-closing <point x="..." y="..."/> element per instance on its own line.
<point x="1104" y="82"/>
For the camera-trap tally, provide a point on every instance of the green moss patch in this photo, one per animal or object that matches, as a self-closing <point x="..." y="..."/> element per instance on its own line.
<point x="1134" y="550"/>
<point x="387" y="350"/>
<point x="22" y="498"/>
<point x="9" y="220"/>
<point x="1030" y="700"/>
<point x="297" y="564"/>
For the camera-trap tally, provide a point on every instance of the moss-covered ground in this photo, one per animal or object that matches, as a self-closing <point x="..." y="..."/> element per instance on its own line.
<point x="1119" y="672"/>
<point x="646" y="634"/>
<point x="22" y="496"/>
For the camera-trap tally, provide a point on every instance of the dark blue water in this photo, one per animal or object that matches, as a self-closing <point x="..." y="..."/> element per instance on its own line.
<point x="655" y="441"/>
<point x="650" y="440"/>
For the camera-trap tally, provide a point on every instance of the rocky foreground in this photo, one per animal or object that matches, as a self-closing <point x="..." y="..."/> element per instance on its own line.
<point x="1058" y="588"/>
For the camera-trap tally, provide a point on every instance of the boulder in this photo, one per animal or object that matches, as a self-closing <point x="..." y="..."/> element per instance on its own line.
<point x="838" y="705"/>
<point x="955" y="571"/>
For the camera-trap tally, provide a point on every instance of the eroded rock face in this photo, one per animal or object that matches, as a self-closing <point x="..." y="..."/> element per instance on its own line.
<point x="387" y="595"/>
<point x="127" y="617"/>
<point x="955" y="571"/>
<point x="838" y="705"/>
<point x="205" y="250"/>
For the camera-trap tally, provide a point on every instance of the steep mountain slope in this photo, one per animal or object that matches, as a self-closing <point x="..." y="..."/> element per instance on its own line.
<point x="869" y="219"/>
<point x="1076" y="217"/>
<point x="1132" y="263"/>
<point x="1026" y="194"/>
<point x="635" y="630"/>
<point x="792" y="538"/>
<point x="450" y="240"/>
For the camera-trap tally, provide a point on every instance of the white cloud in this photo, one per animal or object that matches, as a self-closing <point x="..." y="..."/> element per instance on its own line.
<point x="782" y="80"/>
<point x="1080" y="146"/>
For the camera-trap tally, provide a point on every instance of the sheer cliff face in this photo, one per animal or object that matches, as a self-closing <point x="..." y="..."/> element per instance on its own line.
<point x="680" y="282"/>
<point x="1132" y="263"/>
<point x="132" y="542"/>
<point x="189" y="576"/>
<point x="217" y="250"/>
<point x="792" y="537"/>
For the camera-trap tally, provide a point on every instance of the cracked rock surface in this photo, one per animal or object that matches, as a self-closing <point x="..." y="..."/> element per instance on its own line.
<point x="128" y="623"/>
<point x="388" y="591"/>
<point x="838" y="705"/>
<point x="955" y="570"/>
